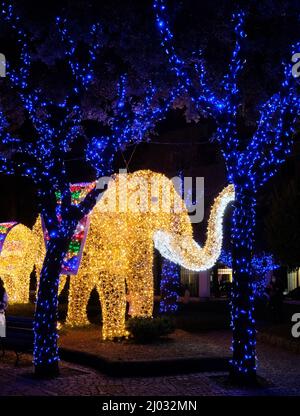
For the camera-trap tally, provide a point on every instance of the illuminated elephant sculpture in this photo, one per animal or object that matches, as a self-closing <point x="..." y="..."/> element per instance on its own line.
<point x="136" y="213"/>
<point x="18" y="249"/>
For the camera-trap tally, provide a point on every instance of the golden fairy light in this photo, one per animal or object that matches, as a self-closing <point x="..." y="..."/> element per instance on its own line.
<point x="17" y="259"/>
<point x="183" y="250"/>
<point x="118" y="256"/>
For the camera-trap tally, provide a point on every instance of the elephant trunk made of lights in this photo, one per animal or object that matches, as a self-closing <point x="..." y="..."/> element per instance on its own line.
<point x="118" y="252"/>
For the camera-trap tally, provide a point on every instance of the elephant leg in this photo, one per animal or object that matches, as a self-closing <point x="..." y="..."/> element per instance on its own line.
<point x="38" y="270"/>
<point x="79" y="294"/>
<point x="140" y="287"/>
<point x="17" y="287"/>
<point x="62" y="283"/>
<point x="112" y="295"/>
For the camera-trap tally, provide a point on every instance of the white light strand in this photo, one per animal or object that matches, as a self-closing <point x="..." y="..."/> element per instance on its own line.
<point x="184" y="251"/>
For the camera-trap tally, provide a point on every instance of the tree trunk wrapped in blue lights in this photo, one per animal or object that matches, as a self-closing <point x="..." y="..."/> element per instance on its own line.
<point x="242" y="296"/>
<point x="56" y="124"/>
<point x="250" y="163"/>
<point x="46" y="355"/>
<point x="169" y="287"/>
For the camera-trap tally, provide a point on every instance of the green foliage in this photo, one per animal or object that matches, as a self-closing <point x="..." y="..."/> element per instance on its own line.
<point x="145" y="330"/>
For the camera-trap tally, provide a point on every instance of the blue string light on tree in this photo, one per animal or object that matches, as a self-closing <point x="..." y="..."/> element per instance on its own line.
<point x="249" y="165"/>
<point x="57" y="125"/>
<point x="54" y="136"/>
<point x="261" y="266"/>
<point x="169" y="287"/>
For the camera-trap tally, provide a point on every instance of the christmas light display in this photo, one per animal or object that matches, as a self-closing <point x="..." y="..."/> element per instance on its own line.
<point x="120" y="242"/>
<point x="262" y="267"/>
<point x="119" y="247"/>
<point x="57" y="124"/>
<point x="169" y="287"/>
<point x="249" y="165"/>
<point x="125" y="128"/>
<point x="189" y="254"/>
<point x="17" y="258"/>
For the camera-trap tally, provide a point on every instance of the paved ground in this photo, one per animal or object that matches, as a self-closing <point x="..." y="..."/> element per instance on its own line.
<point x="280" y="368"/>
<point x="180" y="344"/>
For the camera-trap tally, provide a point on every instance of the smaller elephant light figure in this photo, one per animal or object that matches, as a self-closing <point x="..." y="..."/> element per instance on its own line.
<point x="130" y="219"/>
<point x="17" y="259"/>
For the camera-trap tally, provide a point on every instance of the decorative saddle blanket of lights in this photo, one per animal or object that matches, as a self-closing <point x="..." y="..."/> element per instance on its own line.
<point x="5" y="228"/>
<point x="72" y="260"/>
